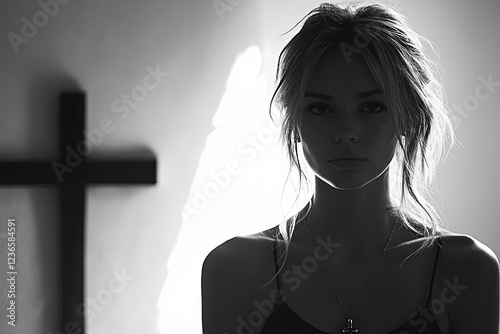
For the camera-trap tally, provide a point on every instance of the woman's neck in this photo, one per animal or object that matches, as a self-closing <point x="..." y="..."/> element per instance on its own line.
<point x="359" y="219"/>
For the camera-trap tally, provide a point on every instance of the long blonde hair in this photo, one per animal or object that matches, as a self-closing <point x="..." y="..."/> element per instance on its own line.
<point x="408" y="78"/>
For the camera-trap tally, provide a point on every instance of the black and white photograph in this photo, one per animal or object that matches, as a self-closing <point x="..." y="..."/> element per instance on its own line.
<point x="249" y="167"/>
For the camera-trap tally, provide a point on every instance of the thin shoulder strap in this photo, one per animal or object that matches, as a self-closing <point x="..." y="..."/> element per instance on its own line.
<point x="429" y="297"/>
<point x="276" y="265"/>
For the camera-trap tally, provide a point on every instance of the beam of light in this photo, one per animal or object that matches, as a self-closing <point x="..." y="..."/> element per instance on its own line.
<point x="237" y="190"/>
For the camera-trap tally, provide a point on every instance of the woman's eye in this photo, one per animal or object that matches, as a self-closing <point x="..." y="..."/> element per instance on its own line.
<point x="373" y="108"/>
<point x="319" y="109"/>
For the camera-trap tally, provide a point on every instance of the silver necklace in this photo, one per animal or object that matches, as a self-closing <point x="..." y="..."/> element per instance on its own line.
<point x="349" y="328"/>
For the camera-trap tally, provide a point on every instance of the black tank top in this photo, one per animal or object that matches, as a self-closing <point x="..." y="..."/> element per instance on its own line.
<point x="282" y="320"/>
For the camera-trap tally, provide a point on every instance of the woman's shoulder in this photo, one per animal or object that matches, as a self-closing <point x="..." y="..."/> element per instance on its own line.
<point x="243" y="254"/>
<point x="463" y="249"/>
<point x="235" y="275"/>
<point x="470" y="271"/>
<point x="460" y="254"/>
<point x="240" y="245"/>
<point x="457" y="249"/>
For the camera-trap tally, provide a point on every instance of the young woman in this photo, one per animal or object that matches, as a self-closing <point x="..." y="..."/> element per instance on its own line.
<point x="367" y="254"/>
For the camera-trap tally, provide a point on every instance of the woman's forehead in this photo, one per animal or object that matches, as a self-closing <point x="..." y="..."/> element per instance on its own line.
<point x="337" y="71"/>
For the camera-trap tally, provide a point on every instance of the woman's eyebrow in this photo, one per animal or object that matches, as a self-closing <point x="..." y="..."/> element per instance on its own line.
<point x="330" y="98"/>
<point x="319" y="96"/>
<point x="368" y="93"/>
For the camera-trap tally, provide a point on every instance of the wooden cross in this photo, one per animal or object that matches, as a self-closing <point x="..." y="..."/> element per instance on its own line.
<point x="71" y="182"/>
<point x="349" y="328"/>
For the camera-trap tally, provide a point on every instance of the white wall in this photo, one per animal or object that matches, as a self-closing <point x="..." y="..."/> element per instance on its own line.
<point x="105" y="47"/>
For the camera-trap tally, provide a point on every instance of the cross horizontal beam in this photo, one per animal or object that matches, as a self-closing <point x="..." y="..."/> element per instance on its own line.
<point x="90" y="172"/>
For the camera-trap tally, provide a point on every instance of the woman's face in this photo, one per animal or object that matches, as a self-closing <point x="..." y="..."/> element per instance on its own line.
<point x="345" y="112"/>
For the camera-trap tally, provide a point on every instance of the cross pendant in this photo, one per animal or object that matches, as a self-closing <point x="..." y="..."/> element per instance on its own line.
<point x="349" y="328"/>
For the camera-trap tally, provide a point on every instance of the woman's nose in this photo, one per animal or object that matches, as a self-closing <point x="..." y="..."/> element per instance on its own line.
<point x="346" y="136"/>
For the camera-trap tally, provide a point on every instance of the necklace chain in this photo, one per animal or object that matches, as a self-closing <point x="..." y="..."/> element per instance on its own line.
<point x="350" y="313"/>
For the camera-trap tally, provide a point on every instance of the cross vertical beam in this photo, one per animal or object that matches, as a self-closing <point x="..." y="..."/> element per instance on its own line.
<point x="72" y="215"/>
